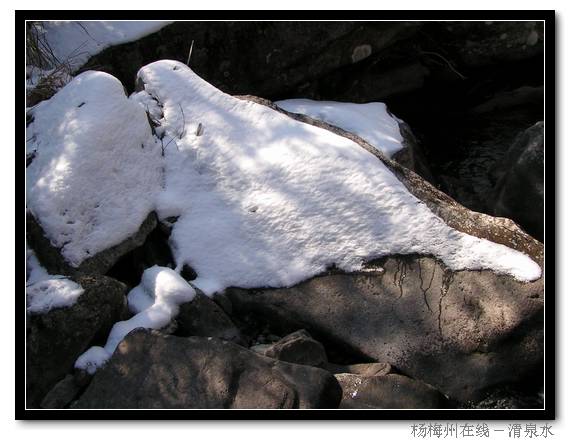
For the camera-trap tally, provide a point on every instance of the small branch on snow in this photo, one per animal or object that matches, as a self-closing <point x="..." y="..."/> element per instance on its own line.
<point x="183" y="132"/>
<point x="190" y="53"/>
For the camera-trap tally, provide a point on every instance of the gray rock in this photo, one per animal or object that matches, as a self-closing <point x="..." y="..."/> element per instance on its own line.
<point x="298" y="348"/>
<point x="389" y="391"/>
<point x="151" y="370"/>
<point x="461" y="331"/>
<point x="55" y="339"/>
<point x="520" y="188"/>
<point x="98" y="264"/>
<point x="203" y="317"/>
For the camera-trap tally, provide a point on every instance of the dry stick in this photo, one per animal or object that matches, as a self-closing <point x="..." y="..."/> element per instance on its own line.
<point x="190" y="53"/>
<point x="183" y="122"/>
<point x="448" y="63"/>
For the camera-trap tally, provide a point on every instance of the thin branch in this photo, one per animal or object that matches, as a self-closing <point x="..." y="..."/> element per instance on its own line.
<point x="190" y="53"/>
<point x="447" y="61"/>
<point x="183" y="132"/>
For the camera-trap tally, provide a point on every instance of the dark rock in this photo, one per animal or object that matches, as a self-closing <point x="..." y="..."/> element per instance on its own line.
<point x="50" y="257"/>
<point x="389" y="391"/>
<point x="461" y="332"/>
<point x="366" y="370"/>
<point x="478" y="43"/>
<point x="520" y="188"/>
<point x="188" y="273"/>
<point x="412" y="156"/>
<point x="298" y="348"/>
<point x="55" y="339"/>
<point x="203" y="317"/>
<point x="155" y="250"/>
<point x="150" y="370"/>
<point x="62" y="394"/>
<point x="286" y="56"/>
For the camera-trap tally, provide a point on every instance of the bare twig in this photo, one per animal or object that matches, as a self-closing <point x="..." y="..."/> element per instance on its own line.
<point x="183" y="132"/>
<point x="447" y="62"/>
<point x="190" y="53"/>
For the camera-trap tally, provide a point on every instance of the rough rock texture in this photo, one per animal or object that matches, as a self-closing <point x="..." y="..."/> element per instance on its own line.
<point x="100" y="263"/>
<point x="63" y="393"/>
<point x="150" y="370"/>
<point x="388" y="391"/>
<point x="203" y="317"/>
<point x="461" y="332"/>
<point x="54" y="340"/>
<point x="520" y="188"/>
<point x="298" y="348"/>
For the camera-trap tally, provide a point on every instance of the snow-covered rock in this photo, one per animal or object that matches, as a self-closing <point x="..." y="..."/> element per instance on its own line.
<point x="45" y="292"/>
<point x="264" y="200"/>
<point x="96" y="169"/>
<point x="371" y="121"/>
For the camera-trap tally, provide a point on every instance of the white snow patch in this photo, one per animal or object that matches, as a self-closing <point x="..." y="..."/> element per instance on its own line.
<point x="265" y="200"/>
<point x="45" y="292"/>
<point x="371" y="121"/>
<point x="155" y="301"/>
<point x="77" y="41"/>
<point x="97" y="167"/>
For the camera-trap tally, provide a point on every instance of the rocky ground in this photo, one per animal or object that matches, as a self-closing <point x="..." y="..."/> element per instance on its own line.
<point x="405" y="331"/>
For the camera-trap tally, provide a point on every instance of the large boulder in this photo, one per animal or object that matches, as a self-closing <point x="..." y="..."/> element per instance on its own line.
<point x="151" y="370"/>
<point x="520" y="187"/>
<point x="461" y="332"/>
<point x="499" y="230"/>
<point x="93" y="176"/>
<point x="55" y="339"/>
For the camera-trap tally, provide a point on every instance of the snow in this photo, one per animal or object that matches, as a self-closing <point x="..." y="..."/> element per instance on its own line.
<point x="77" y="41"/>
<point x="155" y="301"/>
<point x="45" y="292"/>
<point x="267" y="201"/>
<point x="97" y="168"/>
<point x="371" y="121"/>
